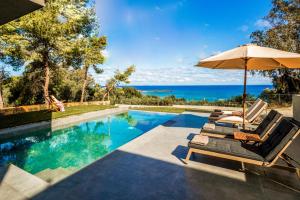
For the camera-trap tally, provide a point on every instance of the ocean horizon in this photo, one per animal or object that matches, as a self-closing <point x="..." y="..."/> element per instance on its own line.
<point x="200" y="92"/>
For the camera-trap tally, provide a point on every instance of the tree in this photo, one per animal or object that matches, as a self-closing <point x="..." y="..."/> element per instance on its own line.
<point x="88" y="53"/>
<point x="41" y="39"/>
<point x="119" y="77"/>
<point x="66" y="84"/>
<point x="26" y="89"/>
<point x="282" y="33"/>
<point x="4" y="76"/>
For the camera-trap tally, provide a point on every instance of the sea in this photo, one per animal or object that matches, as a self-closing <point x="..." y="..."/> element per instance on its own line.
<point x="201" y="92"/>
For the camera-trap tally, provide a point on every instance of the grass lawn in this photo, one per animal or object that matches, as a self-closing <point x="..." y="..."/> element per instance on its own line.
<point x="169" y="109"/>
<point x="45" y="115"/>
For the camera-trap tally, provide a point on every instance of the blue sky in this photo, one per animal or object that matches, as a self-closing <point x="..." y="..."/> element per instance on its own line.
<point x="166" y="38"/>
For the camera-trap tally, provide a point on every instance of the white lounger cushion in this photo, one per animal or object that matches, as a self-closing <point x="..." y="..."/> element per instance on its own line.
<point x="248" y="112"/>
<point x="227" y="112"/>
<point x="209" y="126"/>
<point x="249" y="117"/>
<point x="231" y="119"/>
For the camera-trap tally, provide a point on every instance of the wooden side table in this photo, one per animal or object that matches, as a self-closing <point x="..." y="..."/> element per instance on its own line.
<point x="246" y="136"/>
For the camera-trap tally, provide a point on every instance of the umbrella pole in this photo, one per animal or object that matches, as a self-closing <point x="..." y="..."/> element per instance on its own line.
<point x="245" y="92"/>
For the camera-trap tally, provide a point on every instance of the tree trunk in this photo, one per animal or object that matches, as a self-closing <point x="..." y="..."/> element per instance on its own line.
<point x="46" y="84"/>
<point x="1" y="99"/>
<point x="103" y="98"/>
<point x="106" y="94"/>
<point x="84" y="84"/>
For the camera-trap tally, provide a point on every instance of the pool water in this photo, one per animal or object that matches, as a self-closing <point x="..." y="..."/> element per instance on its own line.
<point x="78" y="145"/>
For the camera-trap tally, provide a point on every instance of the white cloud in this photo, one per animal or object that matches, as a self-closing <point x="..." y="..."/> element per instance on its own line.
<point x="183" y="75"/>
<point x="158" y="8"/>
<point x="105" y="53"/>
<point x="180" y="3"/>
<point x="262" y="23"/>
<point x="203" y="55"/>
<point x="243" y="28"/>
<point x="216" y="52"/>
<point x="179" y="60"/>
<point x="173" y="6"/>
<point x="128" y="17"/>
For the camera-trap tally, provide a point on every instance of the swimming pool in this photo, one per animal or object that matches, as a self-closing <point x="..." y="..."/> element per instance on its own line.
<point x="78" y="145"/>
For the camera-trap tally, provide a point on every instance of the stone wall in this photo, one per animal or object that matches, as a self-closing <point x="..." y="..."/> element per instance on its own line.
<point x="38" y="107"/>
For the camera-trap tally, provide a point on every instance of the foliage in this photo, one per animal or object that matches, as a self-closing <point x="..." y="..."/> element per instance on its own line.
<point x="26" y="89"/>
<point x="272" y="97"/>
<point x="40" y="40"/>
<point x="282" y="33"/>
<point x="4" y="77"/>
<point x="130" y="92"/>
<point x="87" y="52"/>
<point x="65" y="85"/>
<point x="119" y="77"/>
<point x="98" y="92"/>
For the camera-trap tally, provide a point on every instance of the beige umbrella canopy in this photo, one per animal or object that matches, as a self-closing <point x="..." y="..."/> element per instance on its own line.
<point x="251" y="57"/>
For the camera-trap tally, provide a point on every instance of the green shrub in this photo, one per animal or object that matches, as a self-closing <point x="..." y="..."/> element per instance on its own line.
<point x="272" y="97"/>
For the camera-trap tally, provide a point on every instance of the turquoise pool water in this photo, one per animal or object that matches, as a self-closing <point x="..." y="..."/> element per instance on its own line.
<point x="78" y="145"/>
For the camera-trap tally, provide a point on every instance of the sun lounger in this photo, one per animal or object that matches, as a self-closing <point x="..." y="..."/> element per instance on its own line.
<point x="214" y="116"/>
<point x="56" y="104"/>
<point x="249" y="118"/>
<point x="262" y="154"/>
<point x="218" y="112"/>
<point x="262" y="130"/>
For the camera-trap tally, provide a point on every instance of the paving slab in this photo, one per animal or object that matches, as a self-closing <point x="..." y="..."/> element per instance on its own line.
<point x="19" y="184"/>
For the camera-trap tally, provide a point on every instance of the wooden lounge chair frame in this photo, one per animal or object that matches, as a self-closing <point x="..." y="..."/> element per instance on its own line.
<point x="250" y="121"/>
<point x="216" y="135"/>
<point x="251" y="105"/>
<point x="52" y="104"/>
<point x="241" y="159"/>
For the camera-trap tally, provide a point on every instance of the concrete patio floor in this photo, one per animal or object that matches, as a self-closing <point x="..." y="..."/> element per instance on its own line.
<point x="150" y="167"/>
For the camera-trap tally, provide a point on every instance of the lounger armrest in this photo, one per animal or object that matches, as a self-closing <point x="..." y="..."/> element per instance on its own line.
<point x="249" y="103"/>
<point x="217" y="113"/>
<point x="246" y="136"/>
<point x="237" y="113"/>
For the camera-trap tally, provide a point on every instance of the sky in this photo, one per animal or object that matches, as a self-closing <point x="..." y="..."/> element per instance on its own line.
<point x="164" y="39"/>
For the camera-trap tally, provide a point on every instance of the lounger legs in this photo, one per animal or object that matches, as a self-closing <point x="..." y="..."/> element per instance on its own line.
<point x="188" y="156"/>
<point x="243" y="166"/>
<point x="298" y="172"/>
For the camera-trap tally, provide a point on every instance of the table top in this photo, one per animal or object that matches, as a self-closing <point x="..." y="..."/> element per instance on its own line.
<point x="246" y="136"/>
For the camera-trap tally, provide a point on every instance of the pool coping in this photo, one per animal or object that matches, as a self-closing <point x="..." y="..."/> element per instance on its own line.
<point x="173" y="113"/>
<point x="59" y="123"/>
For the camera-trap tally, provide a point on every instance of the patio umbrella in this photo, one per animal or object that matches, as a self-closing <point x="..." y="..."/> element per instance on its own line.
<point x="251" y="57"/>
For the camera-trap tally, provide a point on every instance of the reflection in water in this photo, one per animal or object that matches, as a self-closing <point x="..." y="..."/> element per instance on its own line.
<point x="78" y="145"/>
<point x="129" y="118"/>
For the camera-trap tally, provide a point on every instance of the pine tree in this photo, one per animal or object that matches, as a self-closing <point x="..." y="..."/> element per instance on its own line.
<point x="40" y="40"/>
<point x="282" y="33"/>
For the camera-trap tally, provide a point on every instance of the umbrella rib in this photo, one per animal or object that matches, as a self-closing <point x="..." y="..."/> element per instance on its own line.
<point x="217" y="65"/>
<point x="220" y="63"/>
<point x="280" y="64"/>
